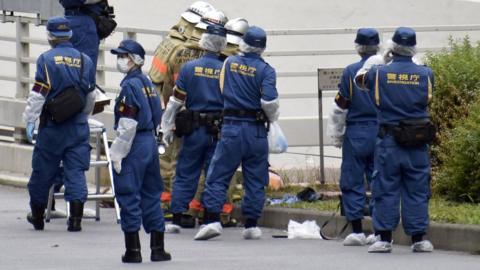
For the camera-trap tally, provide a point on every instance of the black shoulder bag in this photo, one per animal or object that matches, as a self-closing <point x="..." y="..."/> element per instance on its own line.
<point x="68" y="103"/>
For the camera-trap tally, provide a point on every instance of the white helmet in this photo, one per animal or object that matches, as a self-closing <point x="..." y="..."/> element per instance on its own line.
<point x="236" y="28"/>
<point x="214" y="17"/>
<point x="196" y="10"/>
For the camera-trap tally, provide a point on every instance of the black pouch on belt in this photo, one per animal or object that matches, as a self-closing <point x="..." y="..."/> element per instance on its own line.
<point x="414" y="132"/>
<point x="184" y="124"/>
<point x="213" y="124"/>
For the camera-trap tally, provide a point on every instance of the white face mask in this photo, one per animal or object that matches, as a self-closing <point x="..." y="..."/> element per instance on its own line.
<point x="122" y="65"/>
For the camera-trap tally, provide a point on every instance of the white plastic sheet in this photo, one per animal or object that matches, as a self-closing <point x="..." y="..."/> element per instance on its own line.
<point x="306" y="230"/>
<point x="277" y="142"/>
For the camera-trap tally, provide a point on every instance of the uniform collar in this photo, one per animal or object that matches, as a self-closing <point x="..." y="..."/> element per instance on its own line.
<point x="133" y="73"/>
<point x="252" y="55"/>
<point x="65" y="44"/>
<point x="365" y="57"/>
<point x="211" y="55"/>
<point x="401" y="58"/>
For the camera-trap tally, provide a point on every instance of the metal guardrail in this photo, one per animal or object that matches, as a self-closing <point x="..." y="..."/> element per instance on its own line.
<point x="24" y="77"/>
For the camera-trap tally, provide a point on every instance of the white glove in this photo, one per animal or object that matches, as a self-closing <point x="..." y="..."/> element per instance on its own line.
<point x="168" y="137"/>
<point x="388" y="49"/>
<point x="374" y="60"/>
<point x="117" y="166"/>
<point x="126" y="130"/>
<point x="337" y="141"/>
<point x="271" y="109"/>
<point x="34" y="107"/>
<point x="168" y="119"/>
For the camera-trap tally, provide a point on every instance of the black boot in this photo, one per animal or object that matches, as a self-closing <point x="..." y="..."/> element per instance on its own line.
<point x="158" y="249"/>
<point x="36" y="217"/>
<point x="184" y="220"/>
<point x="75" y="219"/>
<point x="132" y="246"/>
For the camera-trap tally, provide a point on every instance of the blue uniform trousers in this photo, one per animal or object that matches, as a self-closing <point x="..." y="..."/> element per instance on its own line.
<point x="195" y="155"/>
<point x="357" y="166"/>
<point x="67" y="142"/>
<point x="138" y="186"/>
<point x="403" y="175"/>
<point x="84" y="38"/>
<point x="246" y="143"/>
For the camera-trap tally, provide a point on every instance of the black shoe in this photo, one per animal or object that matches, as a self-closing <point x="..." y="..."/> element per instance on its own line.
<point x="184" y="220"/>
<point x="132" y="246"/>
<point x="158" y="249"/>
<point x="75" y="218"/>
<point x="36" y="217"/>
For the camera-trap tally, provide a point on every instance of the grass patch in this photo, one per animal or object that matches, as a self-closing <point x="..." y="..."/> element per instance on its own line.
<point x="441" y="210"/>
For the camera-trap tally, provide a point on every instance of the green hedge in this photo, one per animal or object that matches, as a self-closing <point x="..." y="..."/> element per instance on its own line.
<point x="458" y="178"/>
<point x="456" y="111"/>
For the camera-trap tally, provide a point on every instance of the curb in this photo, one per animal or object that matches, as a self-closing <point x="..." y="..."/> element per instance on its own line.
<point x="12" y="180"/>
<point x="443" y="236"/>
<point x="455" y="237"/>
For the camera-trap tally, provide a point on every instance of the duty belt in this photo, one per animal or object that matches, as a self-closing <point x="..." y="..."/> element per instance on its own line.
<point x="203" y="118"/>
<point x="257" y="114"/>
<point x="386" y="130"/>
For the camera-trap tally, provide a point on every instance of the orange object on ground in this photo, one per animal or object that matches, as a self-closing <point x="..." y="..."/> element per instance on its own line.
<point x="166" y="197"/>
<point x="195" y="205"/>
<point x="275" y="182"/>
<point x="227" y="208"/>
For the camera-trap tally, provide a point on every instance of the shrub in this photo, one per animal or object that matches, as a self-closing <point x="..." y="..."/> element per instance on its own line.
<point x="457" y="83"/>
<point x="458" y="178"/>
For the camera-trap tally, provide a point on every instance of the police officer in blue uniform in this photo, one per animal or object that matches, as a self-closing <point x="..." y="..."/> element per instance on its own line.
<point x="85" y="37"/>
<point x="402" y="91"/>
<point x="250" y="99"/>
<point x="58" y="70"/>
<point x="137" y="179"/>
<point x="354" y="116"/>
<point x="198" y="88"/>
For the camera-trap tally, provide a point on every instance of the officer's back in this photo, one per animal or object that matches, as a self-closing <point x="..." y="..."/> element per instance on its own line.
<point x="402" y="90"/>
<point x="244" y="76"/>
<point x="202" y="74"/>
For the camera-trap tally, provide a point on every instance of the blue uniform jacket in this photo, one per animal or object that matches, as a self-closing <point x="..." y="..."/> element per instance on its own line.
<point x="59" y="68"/>
<point x="133" y="102"/>
<point x="198" y="83"/>
<point x="72" y="4"/>
<point x="401" y="89"/>
<point x="361" y="108"/>
<point x="245" y="80"/>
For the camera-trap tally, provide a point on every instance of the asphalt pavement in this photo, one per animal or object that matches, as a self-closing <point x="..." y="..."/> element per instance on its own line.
<point x="100" y="244"/>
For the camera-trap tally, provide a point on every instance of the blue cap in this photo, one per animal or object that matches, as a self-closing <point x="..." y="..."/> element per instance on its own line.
<point x="405" y="36"/>
<point x="129" y="46"/>
<point x="367" y="36"/>
<point x="217" y="30"/>
<point x="59" y="27"/>
<point x="255" y="37"/>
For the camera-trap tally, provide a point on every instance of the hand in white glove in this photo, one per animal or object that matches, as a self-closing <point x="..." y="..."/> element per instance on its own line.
<point x="168" y="137"/>
<point x="338" y="142"/>
<point x="117" y="166"/>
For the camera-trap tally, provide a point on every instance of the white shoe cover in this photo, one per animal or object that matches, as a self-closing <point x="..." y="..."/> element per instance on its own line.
<point x="422" y="246"/>
<point x="172" y="228"/>
<point x="380" y="247"/>
<point x="252" y="233"/>
<point x="209" y="231"/>
<point x="355" y="239"/>
<point x="372" y="238"/>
